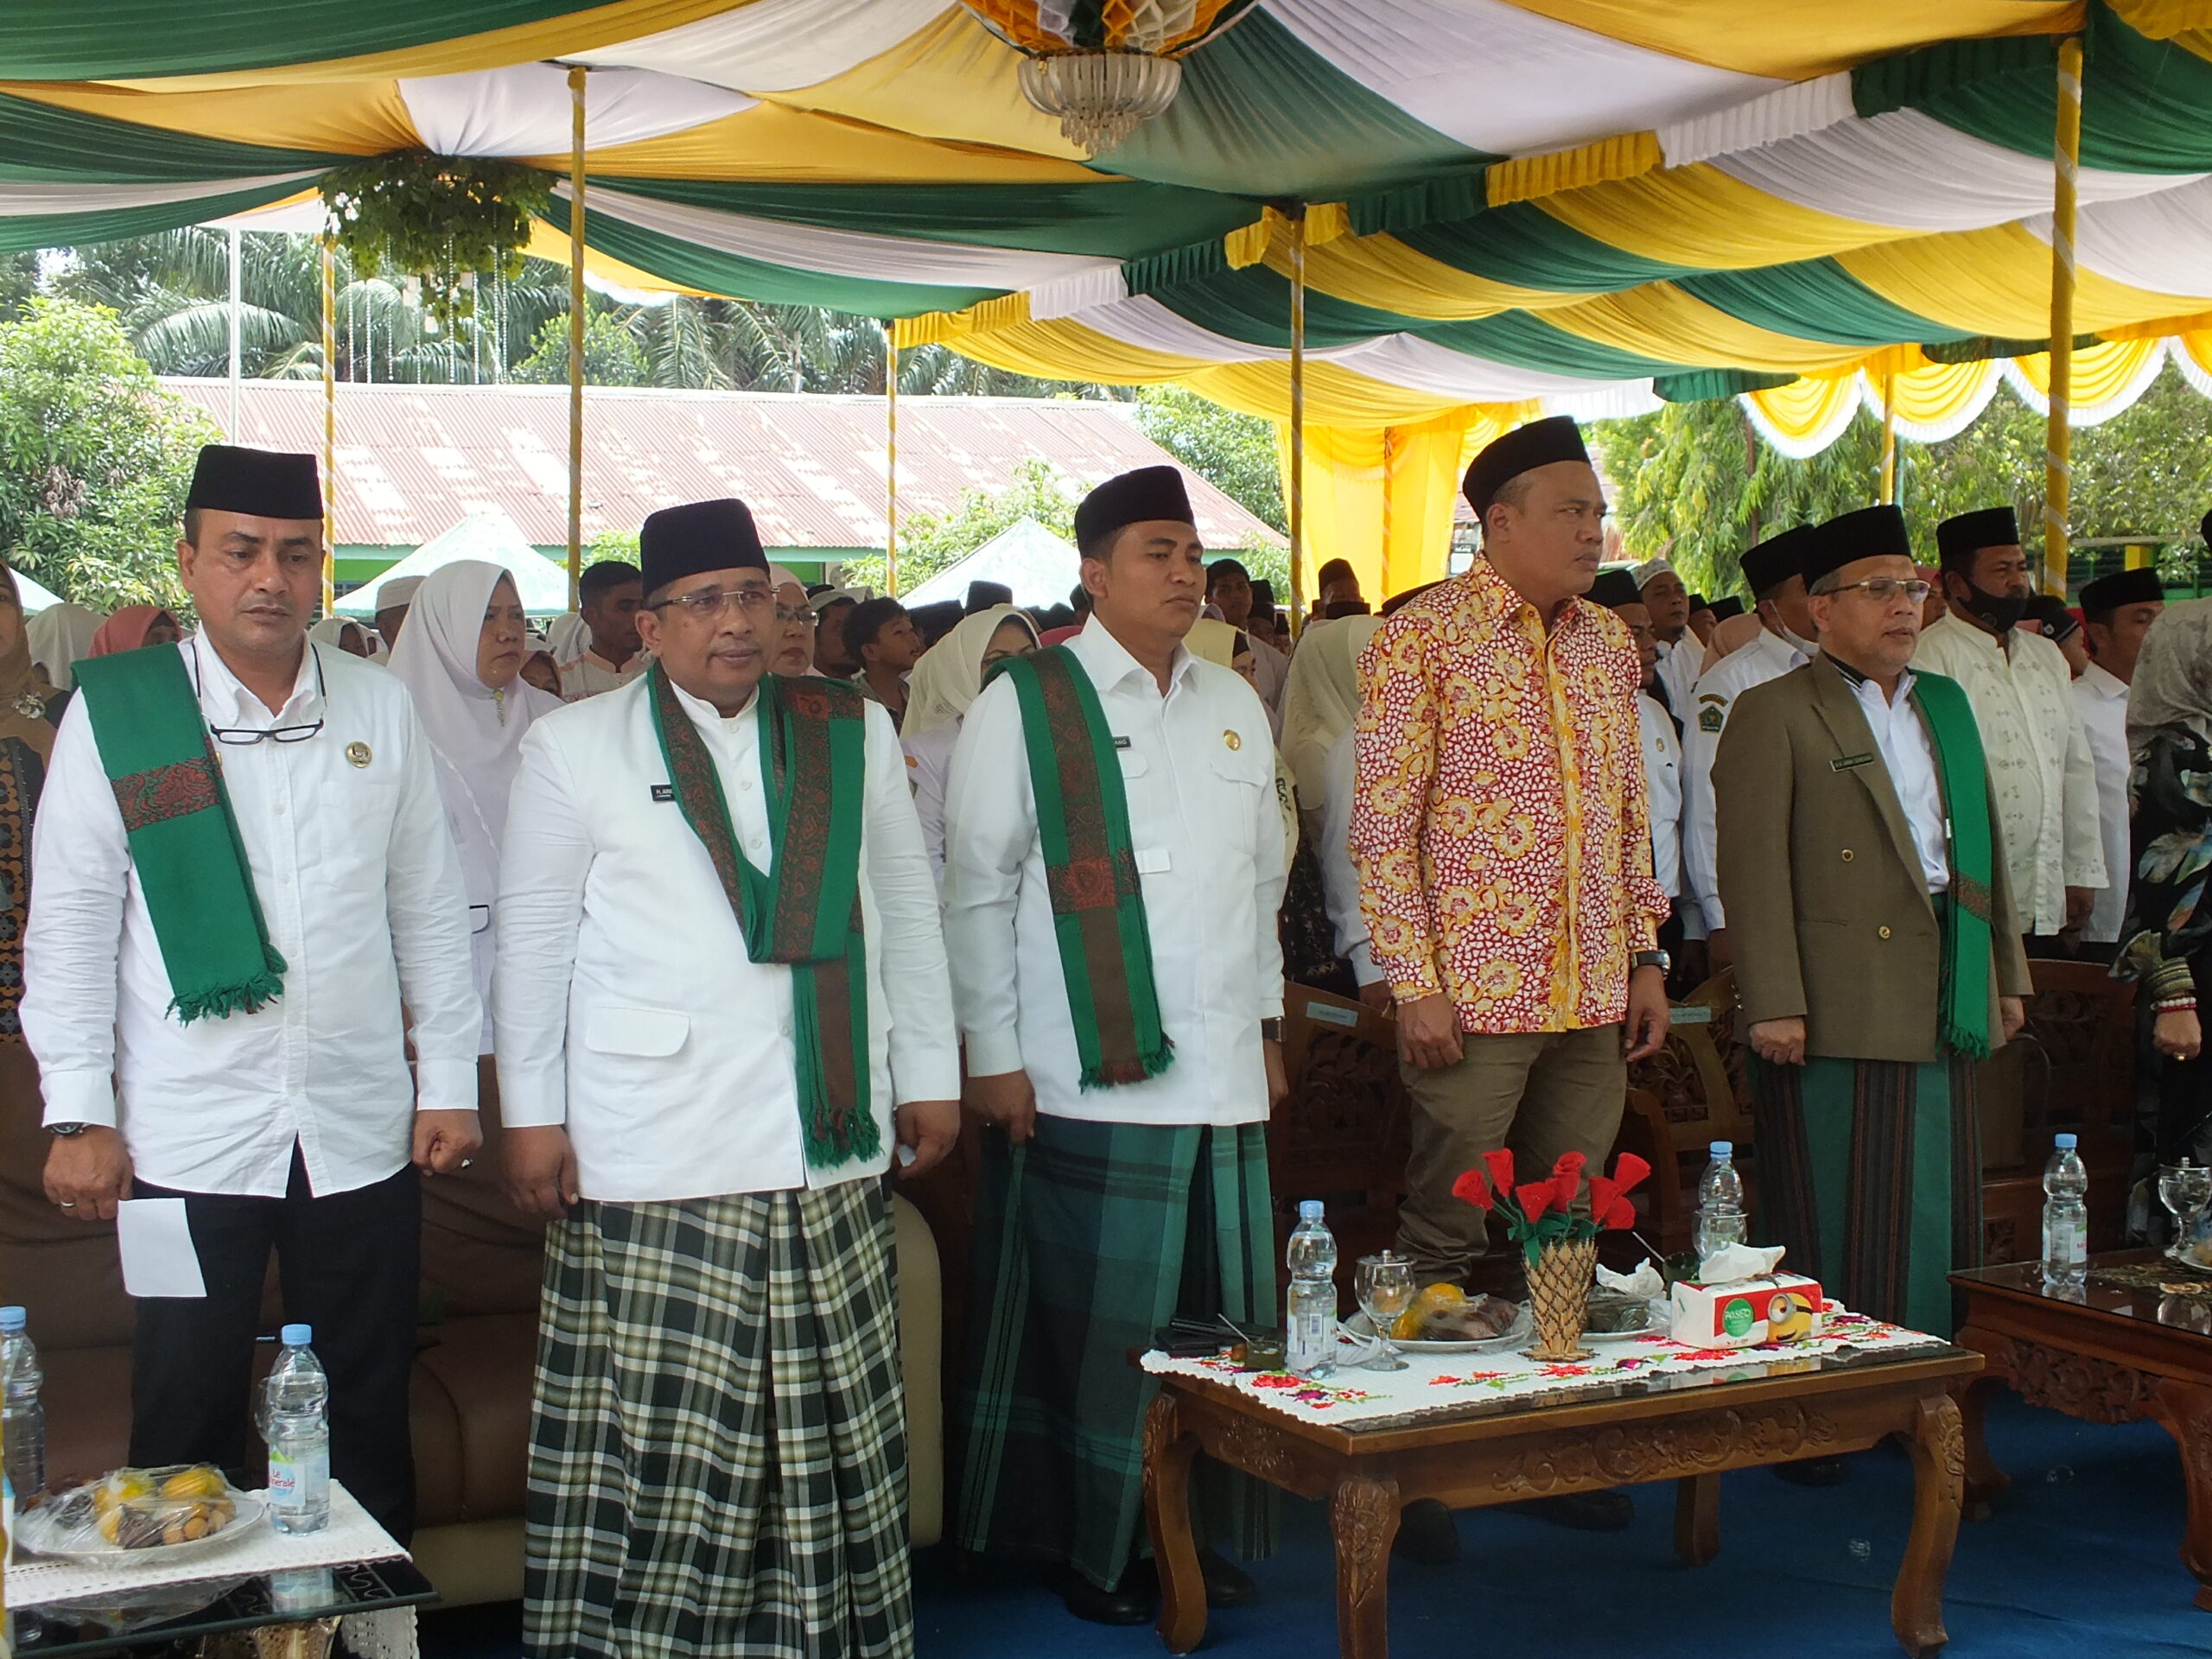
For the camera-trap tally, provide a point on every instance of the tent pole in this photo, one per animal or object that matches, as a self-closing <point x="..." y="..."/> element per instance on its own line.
<point x="891" y="460"/>
<point x="1889" y="439"/>
<point x="1389" y="453"/>
<point x="1298" y="418"/>
<point x="237" y="353"/>
<point x="576" y="72"/>
<point x="329" y="421"/>
<point x="2058" y="441"/>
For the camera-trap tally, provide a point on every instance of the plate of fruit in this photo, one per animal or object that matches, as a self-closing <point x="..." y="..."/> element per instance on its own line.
<point x="1446" y="1319"/>
<point x="150" y="1512"/>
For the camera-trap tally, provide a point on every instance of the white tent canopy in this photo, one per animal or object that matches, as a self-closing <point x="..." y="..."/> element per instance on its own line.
<point x="1040" y="568"/>
<point x="490" y="536"/>
<point x="35" y="598"/>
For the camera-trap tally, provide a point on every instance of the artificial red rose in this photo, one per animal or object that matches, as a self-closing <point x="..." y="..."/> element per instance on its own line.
<point x="1534" y="1199"/>
<point x="1500" y="1164"/>
<point x="1567" y="1177"/>
<point x="1622" y="1216"/>
<point x="1472" y="1188"/>
<point x="1629" y="1170"/>
<point x="1603" y="1191"/>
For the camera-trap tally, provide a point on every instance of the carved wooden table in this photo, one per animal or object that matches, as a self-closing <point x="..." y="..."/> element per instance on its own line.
<point x="1691" y="1428"/>
<point x="2114" y="1356"/>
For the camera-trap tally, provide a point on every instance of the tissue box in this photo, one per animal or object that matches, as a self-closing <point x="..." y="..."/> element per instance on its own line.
<point x="1780" y="1307"/>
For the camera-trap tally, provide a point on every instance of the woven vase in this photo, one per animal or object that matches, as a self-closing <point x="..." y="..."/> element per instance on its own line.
<point x="1559" y="1295"/>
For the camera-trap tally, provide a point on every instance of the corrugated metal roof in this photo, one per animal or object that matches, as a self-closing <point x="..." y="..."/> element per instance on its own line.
<point x="414" y="460"/>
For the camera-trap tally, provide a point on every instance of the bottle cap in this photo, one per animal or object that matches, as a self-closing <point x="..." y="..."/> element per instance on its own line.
<point x="1309" y="1209"/>
<point x="1722" y="1149"/>
<point x="13" y="1319"/>
<point x="2064" y="1142"/>
<point x="297" y="1336"/>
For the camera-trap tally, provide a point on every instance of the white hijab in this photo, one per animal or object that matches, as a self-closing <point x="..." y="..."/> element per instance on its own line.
<point x="475" y="734"/>
<point x="568" y="639"/>
<point x="62" y="636"/>
<point x="1321" y="700"/>
<point x="951" y="673"/>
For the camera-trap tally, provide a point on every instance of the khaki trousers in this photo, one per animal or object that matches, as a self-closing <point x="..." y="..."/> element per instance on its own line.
<point x="1541" y="1093"/>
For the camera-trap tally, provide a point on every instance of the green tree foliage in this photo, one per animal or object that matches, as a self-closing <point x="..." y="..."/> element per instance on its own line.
<point x="931" y="542"/>
<point x="1234" y="453"/>
<point x="95" y="458"/>
<point x="1696" y="477"/>
<point x="610" y="356"/>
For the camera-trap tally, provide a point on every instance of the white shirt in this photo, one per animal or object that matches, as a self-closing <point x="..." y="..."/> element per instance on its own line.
<point x="625" y="1005"/>
<point x="1271" y="677"/>
<point x="1662" y="777"/>
<point x="1910" y="758"/>
<point x="1199" y="767"/>
<point x="592" y="676"/>
<point x="361" y="890"/>
<point x="1339" y="876"/>
<point x="1678" y="668"/>
<point x="2101" y="700"/>
<point x="929" y="764"/>
<point x="1705" y="717"/>
<point x="2040" y="762"/>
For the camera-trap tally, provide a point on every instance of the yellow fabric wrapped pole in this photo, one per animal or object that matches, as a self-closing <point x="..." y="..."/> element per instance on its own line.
<point x="1297" y="419"/>
<point x="2058" y="442"/>
<point x="329" y="424"/>
<point x="891" y="461"/>
<point x="577" y="74"/>
<point x="1889" y="439"/>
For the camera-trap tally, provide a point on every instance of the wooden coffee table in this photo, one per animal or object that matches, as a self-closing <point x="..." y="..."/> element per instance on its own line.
<point x="1691" y="1428"/>
<point x="2114" y="1356"/>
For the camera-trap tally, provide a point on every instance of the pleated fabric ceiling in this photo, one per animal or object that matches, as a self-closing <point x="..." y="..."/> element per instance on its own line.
<point x="1577" y="204"/>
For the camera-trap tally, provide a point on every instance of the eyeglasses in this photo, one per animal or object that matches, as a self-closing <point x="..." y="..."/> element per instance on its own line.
<point x="245" y="736"/>
<point x="709" y="604"/>
<point x="786" y="615"/>
<point x="1883" y="590"/>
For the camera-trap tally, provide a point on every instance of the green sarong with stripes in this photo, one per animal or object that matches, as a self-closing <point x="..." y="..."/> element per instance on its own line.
<point x="1090" y="1237"/>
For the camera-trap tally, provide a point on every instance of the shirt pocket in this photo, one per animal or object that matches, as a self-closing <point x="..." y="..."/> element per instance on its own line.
<point x="1244" y="786"/>
<point x="636" y="1033"/>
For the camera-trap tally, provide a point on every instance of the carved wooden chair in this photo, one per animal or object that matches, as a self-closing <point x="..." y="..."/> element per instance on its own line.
<point x="1342" y="1136"/>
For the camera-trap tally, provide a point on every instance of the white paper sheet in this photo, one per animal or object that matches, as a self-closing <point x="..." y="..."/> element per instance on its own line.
<point x="158" y="1259"/>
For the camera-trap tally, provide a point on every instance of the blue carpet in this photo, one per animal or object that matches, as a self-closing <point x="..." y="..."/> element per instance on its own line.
<point x="2079" y="1563"/>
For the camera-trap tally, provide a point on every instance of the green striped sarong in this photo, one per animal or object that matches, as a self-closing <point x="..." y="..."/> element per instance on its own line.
<point x="1870" y="1174"/>
<point x="1089" y="1238"/>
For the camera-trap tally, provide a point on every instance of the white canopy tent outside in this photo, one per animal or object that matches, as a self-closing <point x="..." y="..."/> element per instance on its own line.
<point x="35" y="598"/>
<point x="1040" y="568"/>
<point x="490" y="536"/>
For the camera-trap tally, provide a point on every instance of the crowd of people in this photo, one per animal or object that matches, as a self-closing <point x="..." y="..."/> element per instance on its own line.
<point x="727" y="896"/>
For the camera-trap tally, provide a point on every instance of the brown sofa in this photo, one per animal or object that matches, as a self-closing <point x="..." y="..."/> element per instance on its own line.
<point x="476" y="1349"/>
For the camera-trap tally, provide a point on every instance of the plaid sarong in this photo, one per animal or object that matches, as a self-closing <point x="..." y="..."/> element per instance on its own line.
<point x="1089" y="1238"/>
<point x="1870" y="1174"/>
<point x="718" y="1450"/>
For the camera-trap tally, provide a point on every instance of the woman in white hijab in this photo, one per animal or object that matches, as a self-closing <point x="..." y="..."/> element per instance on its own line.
<point x="460" y="656"/>
<point x="342" y="633"/>
<point x="947" y="679"/>
<point x="1320" y="703"/>
<point x="791" y="654"/>
<point x="62" y="636"/>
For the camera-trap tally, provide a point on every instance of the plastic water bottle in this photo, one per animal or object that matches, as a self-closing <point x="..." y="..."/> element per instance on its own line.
<point x="1719" y="1202"/>
<point x="2065" y="1214"/>
<point x="1310" y="1339"/>
<point x="22" y="1420"/>
<point x="296" y="1421"/>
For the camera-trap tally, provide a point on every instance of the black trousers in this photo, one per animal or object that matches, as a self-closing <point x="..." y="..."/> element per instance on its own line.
<point x="350" y="1265"/>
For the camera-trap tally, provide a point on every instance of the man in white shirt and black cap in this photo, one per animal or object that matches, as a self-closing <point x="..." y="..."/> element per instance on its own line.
<point x="1682" y="653"/>
<point x="393" y="601"/>
<point x="1114" y="864"/>
<point x="1785" y="641"/>
<point x="2117" y="611"/>
<point x="243" y="876"/>
<point x="720" y="1003"/>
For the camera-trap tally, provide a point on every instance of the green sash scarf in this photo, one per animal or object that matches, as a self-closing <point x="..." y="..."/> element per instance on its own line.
<point x="184" y="839"/>
<point x="1091" y="869"/>
<point x="806" y="911"/>
<point x="1967" y="935"/>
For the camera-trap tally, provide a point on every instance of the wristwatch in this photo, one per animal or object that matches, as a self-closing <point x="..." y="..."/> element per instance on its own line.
<point x="1658" y="959"/>
<point x="65" y="1131"/>
<point x="1271" y="1031"/>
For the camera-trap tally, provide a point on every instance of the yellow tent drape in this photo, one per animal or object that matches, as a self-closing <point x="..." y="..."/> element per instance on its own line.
<point x="329" y="425"/>
<point x="891" y="462"/>
<point x="2058" y="441"/>
<point x="1381" y="498"/>
<point x="576" y="73"/>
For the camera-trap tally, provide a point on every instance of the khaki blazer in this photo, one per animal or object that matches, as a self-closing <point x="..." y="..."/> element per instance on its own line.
<point x="1829" y="915"/>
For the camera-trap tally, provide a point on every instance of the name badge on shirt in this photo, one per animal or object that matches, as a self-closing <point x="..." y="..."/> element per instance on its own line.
<point x="1845" y="763"/>
<point x="1121" y="742"/>
<point x="664" y="791"/>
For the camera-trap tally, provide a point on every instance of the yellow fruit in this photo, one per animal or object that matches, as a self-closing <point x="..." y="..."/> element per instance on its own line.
<point x="1407" y="1327"/>
<point x="111" y="1526"/>
<point x="201" y="1480"/>
<point x="124" y="1486"/>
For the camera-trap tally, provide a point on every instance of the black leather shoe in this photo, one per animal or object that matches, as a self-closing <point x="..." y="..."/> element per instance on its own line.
<point x="1227" y="1583"/>
<point x="1607" y="1511"/>
<point x="1426" y="1533"/>
<point x="1130" y="1602"/>
<point x="1811" y="1472"/>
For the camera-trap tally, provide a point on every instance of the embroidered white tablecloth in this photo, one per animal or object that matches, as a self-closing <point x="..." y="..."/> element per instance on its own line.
<point x="1445" y="1382"/>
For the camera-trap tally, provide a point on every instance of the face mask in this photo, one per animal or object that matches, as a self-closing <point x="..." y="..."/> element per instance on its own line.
<point x="2001" y="611"/>
<point x="1797" y="642"/>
